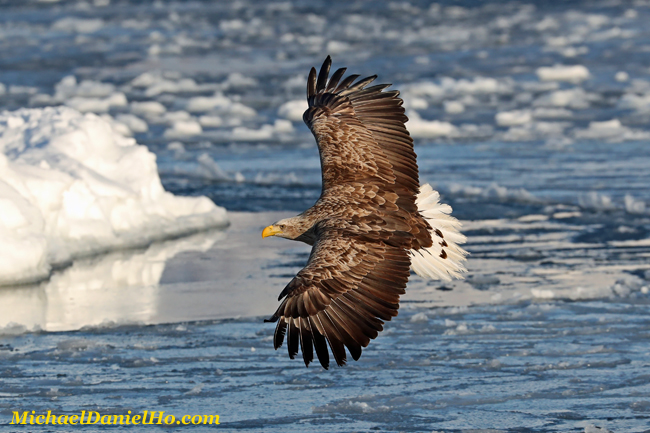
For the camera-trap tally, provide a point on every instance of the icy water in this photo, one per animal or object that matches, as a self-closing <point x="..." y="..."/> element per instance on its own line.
<point x="547" y="168"/>
<point x="553" y="367"/>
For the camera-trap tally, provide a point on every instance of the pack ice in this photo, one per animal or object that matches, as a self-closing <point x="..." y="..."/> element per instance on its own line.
<point x="71" y="186"/>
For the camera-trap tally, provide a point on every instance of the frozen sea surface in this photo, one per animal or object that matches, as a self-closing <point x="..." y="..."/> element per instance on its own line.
<point x="530" y="367"/>
<point x="549" y="333"/>
<point x="531" y="118"/>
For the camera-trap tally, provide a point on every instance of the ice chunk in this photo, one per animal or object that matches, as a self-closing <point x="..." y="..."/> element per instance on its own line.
<point x="493" y="190"/>
<point x="336" y="47"/>
<point x="134" y="123"/>
<point x="68" y="88"/>
<point x="78" y="25"/>
<point x="512" y="118"/>
<point x="265" y="132"/>
<point x="184" y="128"/>
<point x="220" y="104"/>
<point x="210" y="121"/>
<point x="148" y="108"/>
<point x="635" y="102"/>
<point x="633" y="205"/>
<point x="610" y="130"/>
<point x="415" y="103"/>
<point x="97" y="105"/>
<point x="572" y="74"/>
<point x="478" y="85"/>
<point x="420" y="128"/>
<point x="572" y="98"/>
<point x="238" y="81"/>
<point x="71" y="185"/>
<point x="419" y="318"/>
<point x="426" y="89"/>
<point x="552" y="113"/>
<point x="156" y="84"/>
<point x="595" y="429"/>
<point x="293" y="110"/>
<point x="242" y="133"/>
<point x="621" y="76"/>
<point x="596" y="201"/>
<point x="453" y="107"/>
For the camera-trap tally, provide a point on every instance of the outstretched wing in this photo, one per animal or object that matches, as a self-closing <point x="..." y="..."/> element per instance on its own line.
<point x="350" y="286"/>
<point x="361" y="135"/>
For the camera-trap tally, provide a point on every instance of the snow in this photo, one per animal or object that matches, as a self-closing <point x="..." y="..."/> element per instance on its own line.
<point x="572" y="74"/>
<point x="70" y="185"/>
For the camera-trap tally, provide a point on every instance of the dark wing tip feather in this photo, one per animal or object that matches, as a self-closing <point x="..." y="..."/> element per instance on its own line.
<point x="320" y="84"/>
<point x="359" y="85"/>
<point x="311" y="84"/>
<point x="346" y="83"/>
<point x="323" y="74"/>
<point x="293" y="338"/>
<point x="336" y="77"/>
<point x="280" y="331"/>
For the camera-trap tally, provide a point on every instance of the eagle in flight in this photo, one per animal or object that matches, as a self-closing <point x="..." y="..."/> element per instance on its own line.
<point x="372" y="224"/>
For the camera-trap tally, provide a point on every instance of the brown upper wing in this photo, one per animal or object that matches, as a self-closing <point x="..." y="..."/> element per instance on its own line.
<point x="349" y="287"/>
<point x="361" y="134"/>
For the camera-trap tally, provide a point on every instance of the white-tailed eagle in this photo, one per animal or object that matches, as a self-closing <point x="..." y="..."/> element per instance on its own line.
<point x="372" y="224"/>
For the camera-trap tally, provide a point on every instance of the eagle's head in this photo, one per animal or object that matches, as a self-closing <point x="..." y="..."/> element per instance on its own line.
<point x="294" y="228"/>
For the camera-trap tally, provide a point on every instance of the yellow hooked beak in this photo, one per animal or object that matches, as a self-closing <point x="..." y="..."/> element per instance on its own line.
<point x="271" y="231"/>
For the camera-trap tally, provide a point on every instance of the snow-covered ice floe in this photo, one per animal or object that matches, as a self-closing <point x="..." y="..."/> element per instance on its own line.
<point x="214" y="274"/>
<point x="70" y="185"/>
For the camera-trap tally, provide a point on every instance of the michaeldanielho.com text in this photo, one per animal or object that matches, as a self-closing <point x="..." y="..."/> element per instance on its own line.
<point x="92" y="417"/>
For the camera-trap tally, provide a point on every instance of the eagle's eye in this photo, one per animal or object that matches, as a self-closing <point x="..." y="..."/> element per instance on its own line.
<point x="282" y="226"/>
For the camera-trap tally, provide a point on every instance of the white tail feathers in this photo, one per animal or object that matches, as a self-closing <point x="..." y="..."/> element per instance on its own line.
<point x="444" y="259"/>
